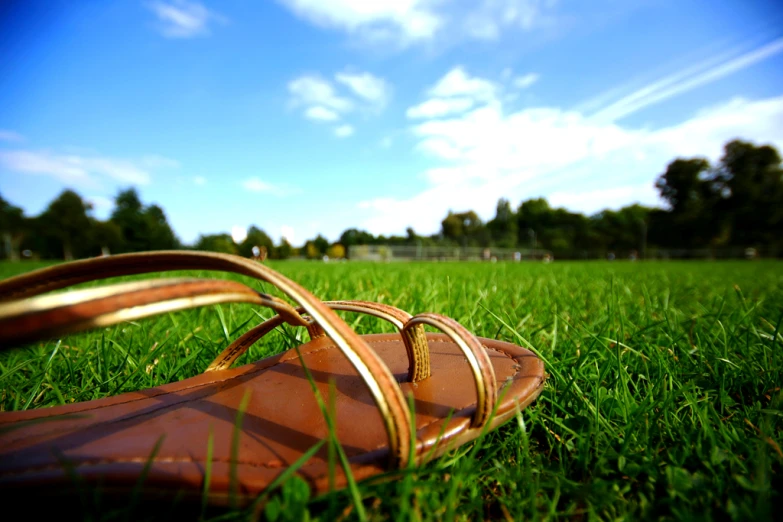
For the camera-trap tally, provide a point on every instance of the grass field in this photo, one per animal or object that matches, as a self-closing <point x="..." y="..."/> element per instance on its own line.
<point x="663" y="399"/>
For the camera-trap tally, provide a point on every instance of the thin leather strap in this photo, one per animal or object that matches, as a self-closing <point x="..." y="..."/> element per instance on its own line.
<point x="476" y="355"/>
<point x="48" y="316"/>
<point x="414" y="338"/>
<point x="383" y="387"/>
<point x="234" y="351"/>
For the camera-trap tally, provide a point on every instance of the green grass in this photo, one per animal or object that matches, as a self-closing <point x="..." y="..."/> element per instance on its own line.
<point x="663" y="398"/>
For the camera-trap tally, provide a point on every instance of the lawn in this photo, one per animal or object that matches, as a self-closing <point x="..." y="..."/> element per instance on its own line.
<point x="663" y="398"/>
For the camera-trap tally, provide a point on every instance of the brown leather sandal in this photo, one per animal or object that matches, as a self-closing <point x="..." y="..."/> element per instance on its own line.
<point x="460" y="385"/>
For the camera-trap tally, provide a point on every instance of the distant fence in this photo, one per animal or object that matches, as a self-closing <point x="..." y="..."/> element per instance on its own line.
<point x="451" y="253"/>
<point x="443" y="253"/>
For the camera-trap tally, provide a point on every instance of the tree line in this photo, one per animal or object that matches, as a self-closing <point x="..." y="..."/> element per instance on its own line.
<point x="736" y="203"/>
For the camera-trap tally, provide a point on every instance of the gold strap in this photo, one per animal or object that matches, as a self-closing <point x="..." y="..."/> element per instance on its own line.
<point x="383" y="387"/>
<point x="414" y="338"/>
<point x="476" y="354"/>
<point x="48" y="316"/>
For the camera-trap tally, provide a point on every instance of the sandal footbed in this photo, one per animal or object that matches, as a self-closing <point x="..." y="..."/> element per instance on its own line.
<point x="110" y="441"/>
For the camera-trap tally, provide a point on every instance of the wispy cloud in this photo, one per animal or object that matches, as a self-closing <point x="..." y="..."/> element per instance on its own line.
<point x="611" y="197"/>
<point x="101" y="204"/>
<point x="456" y="92"/>
<point x="457" y="82"/>
<point x="684" y="81"/>
<point x="313" y="91"/>
<point x="377" y="20"/>
<point x="343" y="131"/>
<point x="154" y="161"/>
<point x="408" y="22"/>
<point x="256" y="184"/>
<point x="371" y="88"/>
<point x="487" y="152"/>
<point x="200" y="180"/>
<point x="76" y="169"/>
<point x="525" y="81"/>
<point x="183" y="19"/>
<point x="319" y="113"/>
<point x="10" y="136"/>
<point x="322" y="102"/>
<point x="437" y="107"/>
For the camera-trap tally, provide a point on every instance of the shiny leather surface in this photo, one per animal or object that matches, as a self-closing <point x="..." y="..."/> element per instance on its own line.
<point x="110" y="440"/>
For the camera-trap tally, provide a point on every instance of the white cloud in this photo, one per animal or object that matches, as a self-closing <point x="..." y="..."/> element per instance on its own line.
<point x="492" y="16"/>
<point x="256" y="185"/>
<point x="200" y="180"/>
<point x="183" y="19"/>
<point x="343" y="131"/>
<point x="686" y="80"/>
<point x="458" y="83"/>
<point x="405" y="22"/>
<point x="154" y="161"/>
<point x="614" y="197"/>
<point x="386" y="142"/>
<point x="371" y="88"/>
<point x="322" y="102"/>
<point x="10" y="136"/>
<point x="319" y="113"/>
<point x="454" y="93"/>
<point x="437" y="107"/>
<point x="575" y="160"/>
<point x="525" y="81"/>
<point x="101" y="204"/>
<point x="238" y="233"/>
<point x="288" y="233"/>
<point x="441" y="148"/>
<point x="75" y="169"/>
<point x="315" y="91"/>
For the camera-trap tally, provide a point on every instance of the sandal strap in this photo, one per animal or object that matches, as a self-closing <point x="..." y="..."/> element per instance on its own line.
<point x="381" y="383"/>
<point x="476" y="355"/>
<point x="48" y="316"/>
<point x="410" y="327"/>
<point x="414" y="338"/>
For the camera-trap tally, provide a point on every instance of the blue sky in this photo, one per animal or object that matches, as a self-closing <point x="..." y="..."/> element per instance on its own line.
<point x="313" y="116"/>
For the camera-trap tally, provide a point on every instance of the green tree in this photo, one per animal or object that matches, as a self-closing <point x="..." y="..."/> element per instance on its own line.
<point x="255" y="238"/>
<point x="284" y="250"/>
<point x="751" y="180"/>
<point x="221" y="243"/>
<point x="533" y="217"/>
<point x="311" y="251"/>
<point x="66" y="224"/>
<point x="160" y="236"/>
<point x="410" y="236"/>
<point x="106" y="235"/>
<point x="143" y="228"/>
<point x="12" y="225"/>
<point x="689" y="189"/>
<point x="465" y="228"/>
<point x="503" y="227"/>
<point x="128" y="215"/>
<point x="353" y="236"/>
<point x="622" y="230"/>
<point x="336" y="251"/>
<point x="321" y="243"/>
